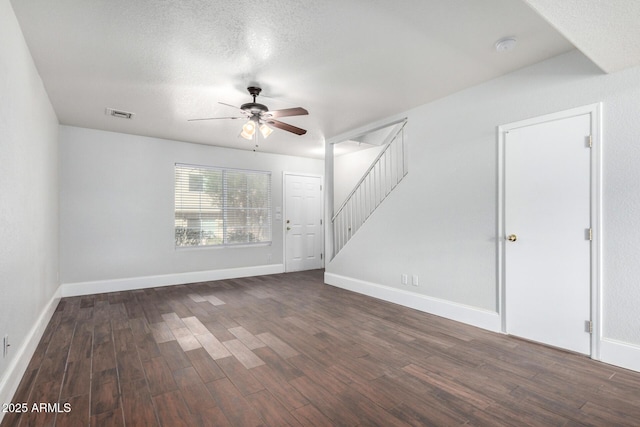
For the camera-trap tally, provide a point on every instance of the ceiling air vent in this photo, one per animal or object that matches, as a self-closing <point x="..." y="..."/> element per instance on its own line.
<point x="118" y="113"/>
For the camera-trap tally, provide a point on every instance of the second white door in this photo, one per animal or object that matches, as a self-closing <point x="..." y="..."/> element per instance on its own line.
<point x="547" y="223"/>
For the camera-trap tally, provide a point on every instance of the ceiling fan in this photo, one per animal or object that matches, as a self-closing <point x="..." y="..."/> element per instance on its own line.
<point x="259" y="117"/>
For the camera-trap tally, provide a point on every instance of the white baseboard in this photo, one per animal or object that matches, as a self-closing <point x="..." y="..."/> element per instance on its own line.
<point x="473" y="316"/>
<point x="613" y="352"/>
<point x="127" y="284"/>
<point x="11" y="378"/>
<point x="620" y="354"/>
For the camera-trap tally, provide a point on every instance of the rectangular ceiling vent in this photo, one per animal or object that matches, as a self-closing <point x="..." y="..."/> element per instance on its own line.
<point x="118" y="113"/>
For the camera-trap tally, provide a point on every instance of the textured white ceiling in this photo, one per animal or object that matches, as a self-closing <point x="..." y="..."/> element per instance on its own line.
<point x="349" y="62"/>
<point x="606" y="31"/>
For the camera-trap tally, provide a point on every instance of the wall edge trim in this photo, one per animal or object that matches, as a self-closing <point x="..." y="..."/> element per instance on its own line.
<point x="485" y="319"/>
<point x="11" y="379"/>
<point x="132" y="283"/>
<point x="619" y="353"/>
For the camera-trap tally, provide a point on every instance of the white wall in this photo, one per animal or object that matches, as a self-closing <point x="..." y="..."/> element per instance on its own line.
<point x="28" y="202"/>
<point x="348" y="169"/>
<point x="117" y="208"/>
<point x="440" y="223"/>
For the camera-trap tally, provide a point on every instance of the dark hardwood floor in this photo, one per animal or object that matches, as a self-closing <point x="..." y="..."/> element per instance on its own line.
<point x="288" y="350"/>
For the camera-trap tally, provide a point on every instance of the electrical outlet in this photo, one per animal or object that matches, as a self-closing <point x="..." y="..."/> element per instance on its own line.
<point x="404" y="279"/>
<point x="5" y="346"/>
<point x="414" y="280"/>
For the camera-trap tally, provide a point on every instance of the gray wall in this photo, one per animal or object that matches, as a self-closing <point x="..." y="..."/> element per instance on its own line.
<point x="117" y="206"/>
<point x="440" y="223"/>
<point x="28" y="195"/>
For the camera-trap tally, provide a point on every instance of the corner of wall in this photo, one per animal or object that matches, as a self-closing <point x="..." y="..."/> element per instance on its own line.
<point x="11" y="378"/>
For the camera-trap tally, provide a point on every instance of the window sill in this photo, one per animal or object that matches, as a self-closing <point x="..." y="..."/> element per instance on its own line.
<point x="218" y="247"/>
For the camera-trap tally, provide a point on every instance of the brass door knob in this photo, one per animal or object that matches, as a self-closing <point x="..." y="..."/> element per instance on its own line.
<point x="288" y="228"/>
<point x="512" y="237"/>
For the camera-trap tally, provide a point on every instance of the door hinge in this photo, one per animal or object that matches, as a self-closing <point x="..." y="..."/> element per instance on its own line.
<point x="590" y="234"/>
<point x="320" y="255"/>
<point x="320" y="187"/>
<point x="320" y="221"/>
<point x="590" y="141"/>
<point x="588" y="326"/>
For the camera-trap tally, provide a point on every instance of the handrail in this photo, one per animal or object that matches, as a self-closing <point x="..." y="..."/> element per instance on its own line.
<point x="386" y="144"/>
<point x="382" y="177"/>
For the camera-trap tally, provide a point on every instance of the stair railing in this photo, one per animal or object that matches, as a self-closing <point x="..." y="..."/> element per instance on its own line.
<point x="384" y="174"/>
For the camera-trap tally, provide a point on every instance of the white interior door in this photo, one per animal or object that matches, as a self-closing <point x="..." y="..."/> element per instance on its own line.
<point x="547" y="212"/>
<point x="303" y="222"/>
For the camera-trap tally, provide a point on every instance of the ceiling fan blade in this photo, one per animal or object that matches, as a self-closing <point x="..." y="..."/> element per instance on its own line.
<point x="297" y="111"/>
<point x="215" y="118"/>
<point x="286" y="126"/>
<point x="232" y="106"/>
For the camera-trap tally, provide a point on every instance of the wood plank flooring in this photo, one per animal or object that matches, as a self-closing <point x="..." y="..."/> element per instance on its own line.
<point x="287" y="350"/>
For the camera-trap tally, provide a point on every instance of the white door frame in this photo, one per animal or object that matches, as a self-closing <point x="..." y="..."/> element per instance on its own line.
<point x="284" y="212"/>
<point x="595" y="111"/>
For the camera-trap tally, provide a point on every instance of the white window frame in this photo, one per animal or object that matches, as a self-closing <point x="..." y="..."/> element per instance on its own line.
<point x="201" y="238"/>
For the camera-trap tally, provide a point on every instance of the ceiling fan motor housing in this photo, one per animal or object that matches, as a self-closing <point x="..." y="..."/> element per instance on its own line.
<point x="254" y="108"/>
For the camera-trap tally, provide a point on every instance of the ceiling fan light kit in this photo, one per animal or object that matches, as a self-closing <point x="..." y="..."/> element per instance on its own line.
<point x="260" y="117"/>
<point x="248" y="129"/>
<point x="265" y="131"/>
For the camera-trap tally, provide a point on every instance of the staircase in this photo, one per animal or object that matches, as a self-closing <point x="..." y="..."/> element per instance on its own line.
<point x="384" y="174"/>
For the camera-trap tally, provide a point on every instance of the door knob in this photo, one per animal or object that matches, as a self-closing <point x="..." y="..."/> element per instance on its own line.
<point x="288" y="228"/>
<point x="512" y="237"/>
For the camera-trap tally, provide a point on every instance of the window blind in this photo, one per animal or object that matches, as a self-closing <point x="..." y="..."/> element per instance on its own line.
<point x="216" y="206"/>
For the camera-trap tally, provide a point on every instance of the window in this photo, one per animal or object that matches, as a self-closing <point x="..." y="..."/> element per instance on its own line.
<point x="215" y="206"/>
